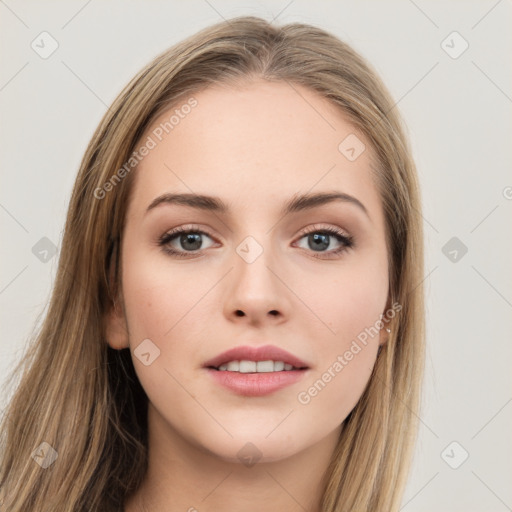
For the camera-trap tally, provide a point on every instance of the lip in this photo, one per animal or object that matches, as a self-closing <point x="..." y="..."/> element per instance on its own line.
<point x="263" y="353"/>
<point x="256" y="384"/>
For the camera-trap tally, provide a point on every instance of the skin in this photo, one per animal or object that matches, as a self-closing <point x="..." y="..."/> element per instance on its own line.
<point x="255" y="147"/>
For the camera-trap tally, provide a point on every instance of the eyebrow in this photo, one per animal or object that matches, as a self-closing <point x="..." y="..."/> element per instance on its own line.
<point x="296" y="204"/>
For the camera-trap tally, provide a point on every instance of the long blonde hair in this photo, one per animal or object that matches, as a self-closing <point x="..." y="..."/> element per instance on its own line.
<point x="80" y="401"/>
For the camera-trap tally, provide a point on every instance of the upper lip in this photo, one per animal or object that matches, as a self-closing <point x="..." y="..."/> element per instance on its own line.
<point x="263" y="353"/>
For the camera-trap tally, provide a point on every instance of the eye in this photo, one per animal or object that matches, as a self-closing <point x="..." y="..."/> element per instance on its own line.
<point x="319" y="241"/>
<point x="187" y="242"/>
<point x="190" y="241"/>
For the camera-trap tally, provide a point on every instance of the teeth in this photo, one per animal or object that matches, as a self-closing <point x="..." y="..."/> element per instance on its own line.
<point x="247" y="366"/>
<point x="256" y="366"/>
<point x="279" y="366"/>
<point x="265" y="366"/>
<point x="233" y="366"/>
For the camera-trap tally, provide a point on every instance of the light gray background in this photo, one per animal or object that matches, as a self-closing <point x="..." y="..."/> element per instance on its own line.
<point x="458" y="111"/>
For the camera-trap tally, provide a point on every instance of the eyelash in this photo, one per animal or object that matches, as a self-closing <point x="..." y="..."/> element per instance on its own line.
<point x="346" y="240"/>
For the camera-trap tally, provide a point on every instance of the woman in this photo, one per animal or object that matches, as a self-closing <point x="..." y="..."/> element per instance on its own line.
<point x="237" y="320"/>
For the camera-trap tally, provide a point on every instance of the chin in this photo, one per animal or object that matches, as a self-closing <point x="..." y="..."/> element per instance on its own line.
<point x="250" y="449"/>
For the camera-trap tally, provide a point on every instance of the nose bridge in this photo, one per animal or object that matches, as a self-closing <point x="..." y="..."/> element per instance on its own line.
<point x="256" y="290"/>
<point x="254" y="257"/>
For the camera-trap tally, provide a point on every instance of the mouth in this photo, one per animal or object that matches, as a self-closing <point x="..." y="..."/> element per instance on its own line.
<point x="247" y="366"/>
<point x="256" y="371"/>
<point x="262" y="359"/>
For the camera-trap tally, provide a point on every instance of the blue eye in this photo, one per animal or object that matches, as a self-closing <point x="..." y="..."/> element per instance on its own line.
<point x="318" y="241"/>
<point x="189" y="239"/>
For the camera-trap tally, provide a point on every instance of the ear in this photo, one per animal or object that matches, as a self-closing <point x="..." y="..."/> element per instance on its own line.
<point x="384" y="334"/>
<point x="115" y="324"/>
<point x="116" y="328"/>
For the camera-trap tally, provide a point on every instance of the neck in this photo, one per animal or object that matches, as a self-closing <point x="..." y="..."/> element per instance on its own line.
<point x="183" y="476"/>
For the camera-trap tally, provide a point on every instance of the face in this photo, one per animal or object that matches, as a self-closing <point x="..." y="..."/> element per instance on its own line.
<point x="311" y="280"/>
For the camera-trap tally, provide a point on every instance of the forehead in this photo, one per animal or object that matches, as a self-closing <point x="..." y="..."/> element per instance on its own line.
<point x="253" y="145"/>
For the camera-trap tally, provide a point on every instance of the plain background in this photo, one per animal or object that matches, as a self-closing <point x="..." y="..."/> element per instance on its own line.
<point x="458" y="112"/>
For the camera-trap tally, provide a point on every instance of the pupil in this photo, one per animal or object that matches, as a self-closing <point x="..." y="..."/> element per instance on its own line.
<point x="320" y="240"/>
<point x="185" y="239"/>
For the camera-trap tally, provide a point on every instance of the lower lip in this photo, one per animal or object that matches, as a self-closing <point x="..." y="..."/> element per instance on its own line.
<point x="256" y="384"/>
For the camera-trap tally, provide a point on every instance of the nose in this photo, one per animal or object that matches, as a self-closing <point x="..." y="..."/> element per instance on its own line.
<point x="256" y="293"/>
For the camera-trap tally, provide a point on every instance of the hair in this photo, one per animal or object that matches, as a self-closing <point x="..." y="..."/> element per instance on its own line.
<point x="83" y="398"/>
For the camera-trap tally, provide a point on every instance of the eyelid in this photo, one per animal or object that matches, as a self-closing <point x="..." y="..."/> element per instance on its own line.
<point x="316" y="227"/>
<point x="346" y="240"/>
<point x="185" y="229"/>
<point x="342" y="235"/>
<point x="304" y="231"/>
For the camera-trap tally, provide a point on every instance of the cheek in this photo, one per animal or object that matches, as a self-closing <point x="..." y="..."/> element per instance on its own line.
<point x="345" y="359"/>
<point x="348" y="305"/>
<point x="163" y="306"/>
<point x="159" y="300"/>
<point x="334" y="391"/>
<point x="167" y="307"/>
<point x="345" y="300"/>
